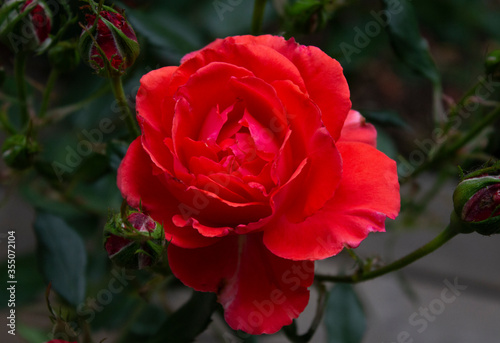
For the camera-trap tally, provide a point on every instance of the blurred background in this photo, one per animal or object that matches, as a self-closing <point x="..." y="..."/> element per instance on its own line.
<point x="397" y="96"/>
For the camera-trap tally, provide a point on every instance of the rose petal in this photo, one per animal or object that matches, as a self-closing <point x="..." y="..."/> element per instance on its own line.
<point x="210" y="209"/>
<point x="153" y="142"/>
<point x="141" y="189"/>
<point x="263" y="61"/>
<point x="259" y="291"/>
<point x="150" y="97"/>
<point x="356" y="129"/>
<point x="206" y="89"/>
<point x="323" y="78"/>
<point x="308" y="191"/>
<point x="367" y="194"/>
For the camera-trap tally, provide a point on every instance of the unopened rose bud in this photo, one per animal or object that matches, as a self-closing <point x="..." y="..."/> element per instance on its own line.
<point x="477" y="205"/>
<point x="108" y="42"/>
<point x="18" y="151"/>
<point x="135" y="243"/>
<point x="27" y="25"/>
<point x="40" y="19"/>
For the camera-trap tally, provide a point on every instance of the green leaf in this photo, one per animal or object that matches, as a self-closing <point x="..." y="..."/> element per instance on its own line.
<point x="32" y="335"/>
<point x="387" y="118"/>
<point x="344" y="317"/>
<point x="172" y="36"/>
<point x="150" y="320"/>
<point x="386" y="144"/>
<point x="407" y="42"/>
<point x="62" y="257"/>
<point x="189" y="321"/>
<point x="31" y="280"/>
<point x="115" y="151"/>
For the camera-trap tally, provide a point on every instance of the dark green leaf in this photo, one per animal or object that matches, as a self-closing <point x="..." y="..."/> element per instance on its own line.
<point x="32" y="335"/>
<point x="386" y="144"/>
<point x="344" y="317"/>
<point x="62" y="257"/>
<point x="168" y="33"/>
<point x="92" y="168"/>
<point x="115" y="151"/>
<point x="31" y="280"/>
<point x="99" y="196"/>
<point x="150" y="320"/>
<point x="386" y="118"/>
<point x="39" y="200"/>
<point x="407" y="42"/>
<point x="189" y="321"/>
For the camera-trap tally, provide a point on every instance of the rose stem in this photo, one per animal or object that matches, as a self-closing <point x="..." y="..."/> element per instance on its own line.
<point x="258" y="16"/>
<point x="451" y="151"/>
<point x="48" y="90"/>
<point x="20" y="67"/>
<point x="117" y="86"/>
<point x="426" y="249"/>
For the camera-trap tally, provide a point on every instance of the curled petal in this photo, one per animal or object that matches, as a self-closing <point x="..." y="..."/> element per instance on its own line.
<point x="356" y="129"/>
<point x="151" y="95"/>
<point x="323" y="79"/>
<point x="142" y="189"/>
<point x="368" y="193"/>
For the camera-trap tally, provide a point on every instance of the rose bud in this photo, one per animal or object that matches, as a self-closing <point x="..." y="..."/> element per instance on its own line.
<point x="18" y="151"/>
<point x="135" y="243"/>
<point x="26" y="27"/>
<point x="108" y="43"/>
<point x="477" y="205"/>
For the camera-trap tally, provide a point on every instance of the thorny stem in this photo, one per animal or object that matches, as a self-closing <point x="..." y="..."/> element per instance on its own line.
<point x="20" y="67"/>
<point x="426" y="249"/>
<point x="47" y="92"/>
<point x="117" y="86"/>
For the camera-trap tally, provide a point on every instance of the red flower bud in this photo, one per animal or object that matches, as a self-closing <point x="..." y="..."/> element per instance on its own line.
<point x="108" y="43"/>
<point x="483" y="205"/>
<point x="40" y="20"/>
<point x="477" y="205"/>
<point x="136" y="243"/>
<point x="26" y="25"/>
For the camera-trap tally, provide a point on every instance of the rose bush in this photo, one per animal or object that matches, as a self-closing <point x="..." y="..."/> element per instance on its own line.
<point x="254" y="163"/>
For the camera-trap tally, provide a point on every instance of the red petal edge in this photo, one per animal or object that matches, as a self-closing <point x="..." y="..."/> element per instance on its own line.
<point x="259" y="291"/>
<point x="368" y="193"/>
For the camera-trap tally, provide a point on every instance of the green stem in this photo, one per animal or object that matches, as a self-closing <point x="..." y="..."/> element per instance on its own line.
<point x="442" y="238"/>
<point x="476" y="129"/>
<point x="454" y="111"/>
<point x="445" y="153"/>
<point x="47" y="92"/>
<point x="117" y="86"/>
<point x="291" y="330"/>
<point x="258" y="16"/>
<point x="437" y="104"/>
<point x="20" y="67"/>
<point x="59" y="113"/>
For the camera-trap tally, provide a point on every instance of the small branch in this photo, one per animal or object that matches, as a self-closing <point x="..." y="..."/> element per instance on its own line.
<point x="20" y="67"/>
<point x="437" y="242"/>
<point x="117" y="86"/>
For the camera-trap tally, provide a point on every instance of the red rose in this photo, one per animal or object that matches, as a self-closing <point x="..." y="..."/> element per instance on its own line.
<point x="253" y="162"/>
